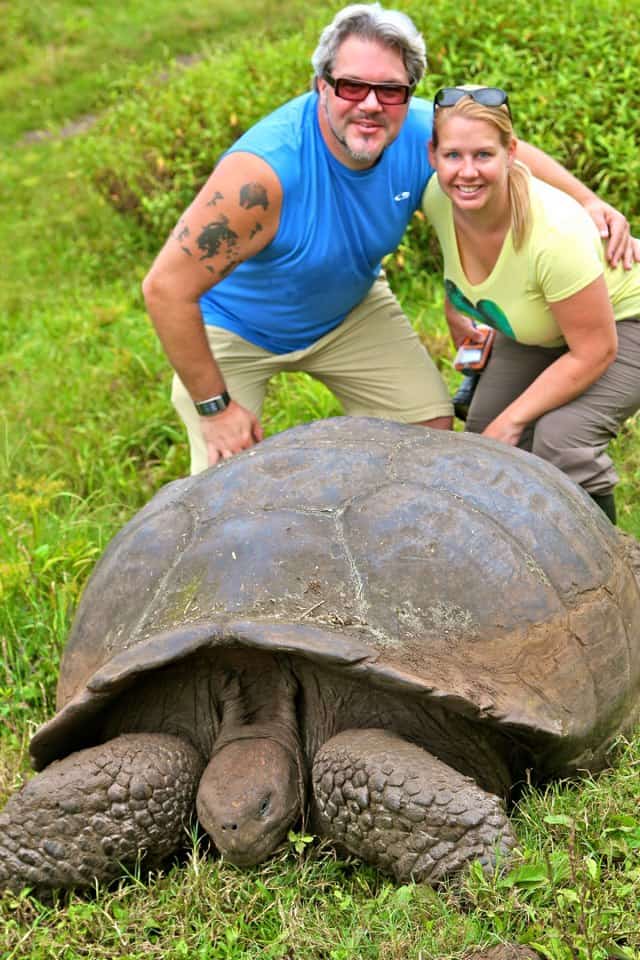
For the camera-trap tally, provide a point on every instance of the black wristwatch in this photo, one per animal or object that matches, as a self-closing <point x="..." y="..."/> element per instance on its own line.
<point x="209" y="408"/>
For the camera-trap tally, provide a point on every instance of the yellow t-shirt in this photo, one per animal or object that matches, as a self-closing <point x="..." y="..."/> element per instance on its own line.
<point x="562" y="254"/>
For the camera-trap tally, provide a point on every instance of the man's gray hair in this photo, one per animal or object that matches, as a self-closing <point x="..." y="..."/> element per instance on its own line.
<point x="372" y="22"/>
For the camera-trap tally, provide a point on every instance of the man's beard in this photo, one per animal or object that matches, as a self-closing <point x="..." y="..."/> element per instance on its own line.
<point x="360" y="156"/>
<point x="370" y="156"/>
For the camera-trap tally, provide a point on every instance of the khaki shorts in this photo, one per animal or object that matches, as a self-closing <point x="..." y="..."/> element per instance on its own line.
<point x="373" y="362"/>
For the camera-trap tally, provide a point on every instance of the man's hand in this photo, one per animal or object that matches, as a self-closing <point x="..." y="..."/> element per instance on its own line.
<point x="229" y="432"/>
<point x="614" y="225"/>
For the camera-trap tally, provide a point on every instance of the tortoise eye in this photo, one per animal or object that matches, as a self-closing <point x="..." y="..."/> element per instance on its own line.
<point x="264" y="806"/>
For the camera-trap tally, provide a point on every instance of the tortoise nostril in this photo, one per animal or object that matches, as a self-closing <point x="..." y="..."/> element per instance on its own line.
<point x="229" y="826"/>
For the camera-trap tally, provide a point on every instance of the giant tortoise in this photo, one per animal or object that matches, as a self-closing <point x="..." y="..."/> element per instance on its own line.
<point x="378" y="627"/>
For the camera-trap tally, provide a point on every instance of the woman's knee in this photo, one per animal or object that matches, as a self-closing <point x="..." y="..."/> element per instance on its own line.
<point x="586" y="462"/>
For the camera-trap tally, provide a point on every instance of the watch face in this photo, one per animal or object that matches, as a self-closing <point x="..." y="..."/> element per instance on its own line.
<point x="207" y="408"/>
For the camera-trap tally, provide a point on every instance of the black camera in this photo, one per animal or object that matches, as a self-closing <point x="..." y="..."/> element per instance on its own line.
<point x="464" y="394"/>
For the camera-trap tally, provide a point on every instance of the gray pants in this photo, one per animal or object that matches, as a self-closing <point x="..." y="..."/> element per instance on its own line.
<point x="574" y="437"/>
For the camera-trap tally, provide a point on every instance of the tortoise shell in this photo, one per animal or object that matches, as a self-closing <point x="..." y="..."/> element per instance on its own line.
<point x="425" y="561"/>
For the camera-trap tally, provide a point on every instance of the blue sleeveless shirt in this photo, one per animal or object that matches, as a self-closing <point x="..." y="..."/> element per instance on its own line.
<point x="336" y="224"/>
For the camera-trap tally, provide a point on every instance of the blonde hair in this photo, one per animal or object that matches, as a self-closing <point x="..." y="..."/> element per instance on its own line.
<point x="519" y="174"/>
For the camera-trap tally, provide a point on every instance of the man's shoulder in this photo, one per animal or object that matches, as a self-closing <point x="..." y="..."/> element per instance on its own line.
<point x="281" y="127"/>
<point x="420" y="116"/>
<point x="282" y="139"/>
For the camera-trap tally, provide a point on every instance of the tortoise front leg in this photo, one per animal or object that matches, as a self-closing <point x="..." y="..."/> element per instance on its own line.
<point x="84" y="816"/>
<point x="401" y="809"/>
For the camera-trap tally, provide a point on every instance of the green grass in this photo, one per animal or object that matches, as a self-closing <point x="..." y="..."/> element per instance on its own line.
<point x="574" y="894"/>
<point x="87" y="435"/>
<point x="62" y="60"/>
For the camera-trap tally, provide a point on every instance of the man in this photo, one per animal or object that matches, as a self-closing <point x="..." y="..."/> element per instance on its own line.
<point x="280" y="252"/>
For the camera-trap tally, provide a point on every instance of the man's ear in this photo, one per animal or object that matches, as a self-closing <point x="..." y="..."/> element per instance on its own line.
<point x="322" y="88"/>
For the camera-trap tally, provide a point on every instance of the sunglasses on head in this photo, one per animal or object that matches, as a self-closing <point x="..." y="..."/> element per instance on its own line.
<point x="388" y="94"/>
<point x="487" y="96"/>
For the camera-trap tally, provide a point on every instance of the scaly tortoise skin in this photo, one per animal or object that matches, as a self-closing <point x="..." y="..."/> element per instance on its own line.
<point x="379" y="626"/>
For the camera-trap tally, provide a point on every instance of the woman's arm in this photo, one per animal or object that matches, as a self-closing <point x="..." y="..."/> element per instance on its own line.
<point x="589" y="328"/>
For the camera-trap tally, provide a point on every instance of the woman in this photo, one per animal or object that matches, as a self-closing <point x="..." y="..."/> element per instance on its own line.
<point x="526" y="259"/>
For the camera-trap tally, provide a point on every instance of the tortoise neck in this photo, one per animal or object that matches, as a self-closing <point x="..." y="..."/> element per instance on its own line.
<point x="259" y="700"/>
<point x="259" y="703"/>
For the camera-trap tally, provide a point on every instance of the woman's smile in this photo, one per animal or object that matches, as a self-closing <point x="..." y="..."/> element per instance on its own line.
<point x="471" y="164"/>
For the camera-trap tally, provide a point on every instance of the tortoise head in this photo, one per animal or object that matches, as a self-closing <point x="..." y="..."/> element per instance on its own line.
<point x="252" y="789"/>
<point x="249" y="796"/>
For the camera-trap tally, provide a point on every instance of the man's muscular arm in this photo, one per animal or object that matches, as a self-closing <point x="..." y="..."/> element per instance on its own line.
<point x="235" y="215"/>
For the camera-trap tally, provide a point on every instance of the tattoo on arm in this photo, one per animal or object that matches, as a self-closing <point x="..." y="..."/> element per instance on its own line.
<point x="256" y="229"/>
<point x="229" y="267"/>
<point x="216" y="235"/>
<point x="181" y="234"/>
<point x="253" y="195"/>
<point x="214" y="199"/>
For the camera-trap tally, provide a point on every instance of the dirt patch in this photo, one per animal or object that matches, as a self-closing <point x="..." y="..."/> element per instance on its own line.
<point x="504" y="951"/>
<point x="83" y="123"/>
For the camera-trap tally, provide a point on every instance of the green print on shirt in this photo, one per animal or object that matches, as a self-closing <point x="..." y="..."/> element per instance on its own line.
<point x="485" y="311"/>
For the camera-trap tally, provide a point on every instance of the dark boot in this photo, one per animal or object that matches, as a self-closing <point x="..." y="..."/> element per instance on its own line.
<point x="606" y="503"/>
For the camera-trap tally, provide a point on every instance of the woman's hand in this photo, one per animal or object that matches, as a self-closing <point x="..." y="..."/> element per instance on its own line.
<point x="460" y="327"/>
<point x="505" y="428"/>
